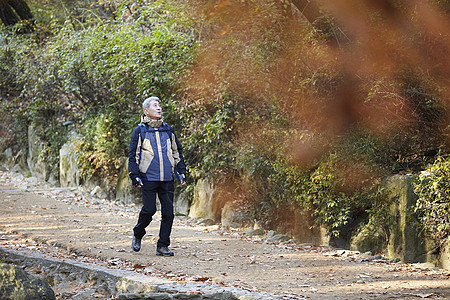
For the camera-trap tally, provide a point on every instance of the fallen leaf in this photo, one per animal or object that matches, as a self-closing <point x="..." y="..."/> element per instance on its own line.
<point x="138" y="266"/>
<point x="200" y="278"/>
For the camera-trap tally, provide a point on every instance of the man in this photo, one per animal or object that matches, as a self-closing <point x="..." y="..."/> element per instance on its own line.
<point x="154" y="155"/>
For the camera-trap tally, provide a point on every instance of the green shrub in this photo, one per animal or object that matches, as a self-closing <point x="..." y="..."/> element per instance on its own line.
<point x="342" y="183"/>
<point x="117" y="64"/>
<point x="433" y="206"/>
<point x="105" y="141"/>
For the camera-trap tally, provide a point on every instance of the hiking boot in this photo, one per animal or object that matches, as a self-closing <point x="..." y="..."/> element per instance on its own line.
<point x="136" y="244"/>
<point x="163" y="251"/>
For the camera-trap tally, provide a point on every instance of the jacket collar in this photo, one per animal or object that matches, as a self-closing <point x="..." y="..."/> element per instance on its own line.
<point x="151" y="122"/>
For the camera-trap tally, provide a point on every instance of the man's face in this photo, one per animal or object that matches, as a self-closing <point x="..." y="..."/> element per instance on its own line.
<point x="154" y="110"/>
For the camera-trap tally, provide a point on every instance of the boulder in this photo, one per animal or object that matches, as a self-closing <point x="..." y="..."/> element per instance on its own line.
<point x="253" y="232"/>
<point x="181" y="204"/>
<point x="365" y="240"/>
<point x="7" y="158"/>
<point x="231" y="216"/>
<point x="15" y="283"/>
<point x="36" y="159"/>
<point x="202" y="206"/>
<point x="406" y="241"/>
<point x="69" y="170"/>
<point x="273" y="236"/>
<point x="19" y="162"/>
<point x="444" y="258"/>
<point x="304" y="231"/>
<point x="125" y="192"/>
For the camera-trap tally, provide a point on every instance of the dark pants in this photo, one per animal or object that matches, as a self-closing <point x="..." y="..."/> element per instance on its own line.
<point x="164" y="189"/>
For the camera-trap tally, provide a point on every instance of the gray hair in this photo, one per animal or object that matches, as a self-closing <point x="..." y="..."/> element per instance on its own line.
<point x="146" y="103"/>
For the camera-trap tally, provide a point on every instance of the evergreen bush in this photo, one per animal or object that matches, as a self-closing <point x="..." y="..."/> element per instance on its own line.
<point x="433" y="206"/>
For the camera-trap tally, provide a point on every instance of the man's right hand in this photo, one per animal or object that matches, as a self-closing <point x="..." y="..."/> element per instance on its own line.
<point x="136" y="181"/>
<point x="182" y="179"/>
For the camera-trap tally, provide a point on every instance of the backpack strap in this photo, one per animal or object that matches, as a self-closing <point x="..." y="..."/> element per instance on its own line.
<point x="144" y="128"/>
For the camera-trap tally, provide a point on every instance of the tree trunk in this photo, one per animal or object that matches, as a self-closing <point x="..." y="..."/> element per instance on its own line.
<point x="12" y="11"/>
<point x="21" y="8"/>
<point x="7" y="15"/>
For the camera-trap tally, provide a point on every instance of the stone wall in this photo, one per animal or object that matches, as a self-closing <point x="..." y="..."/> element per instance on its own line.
<point x="405" y="241"/>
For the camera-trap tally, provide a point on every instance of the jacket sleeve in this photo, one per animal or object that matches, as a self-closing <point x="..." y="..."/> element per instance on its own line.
<point x="181" y="166"/>
<point x="134" y="151"/>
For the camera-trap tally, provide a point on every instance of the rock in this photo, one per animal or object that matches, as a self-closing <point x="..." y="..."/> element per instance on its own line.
<point x="158" y="296"/>
<point x="67" y="295"/>
<point x="129" y="286"/>
<point x="69" y="174"/>
<point x="69" y="171"/>
<point x="36" y="159"/>
<point x="20" y="162"/>
<point x="95" y="190"/>
<point x="186" y="296"/>
<point x="15" y="163"/>
<point x="129" y="296"/>
<point x="15" y="283"/>
<point x="366" y="241"/>
<point x="8" y="153"/>
<point x="406" y="241"/>
<point x="257" y="225"/>
<point x="207" y="222"/>
<point x="181" y="204"/>
<point x="365" y="254"/>
<point x="444" y="259"/>
<point x="425" y="265"/>
<point x="272" y="237"/>
<point x="304" y="231"/>
<point x="88" y="294"/>
<point x="253" y="232"/>
<point x="126" y="193"/>
<point x="270" y="234"/>
<point x="232" y="217"/>
<point x="219" y="296"/>
<point x="98" y="192"/>
<point x="203" y="204"/>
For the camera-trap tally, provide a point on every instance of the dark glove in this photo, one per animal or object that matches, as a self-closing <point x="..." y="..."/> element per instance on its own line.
<point x="136" y="181"/>
<point x="182" y="179"/>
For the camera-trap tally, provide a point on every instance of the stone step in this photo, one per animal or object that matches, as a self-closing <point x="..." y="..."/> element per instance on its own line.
<point x="126" y="284"/>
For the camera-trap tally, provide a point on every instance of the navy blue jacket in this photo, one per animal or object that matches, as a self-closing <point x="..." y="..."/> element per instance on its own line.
<point x="155" y="153"/>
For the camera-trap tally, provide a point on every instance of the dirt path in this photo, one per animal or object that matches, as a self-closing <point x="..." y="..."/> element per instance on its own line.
<point x="64" y="222"/>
